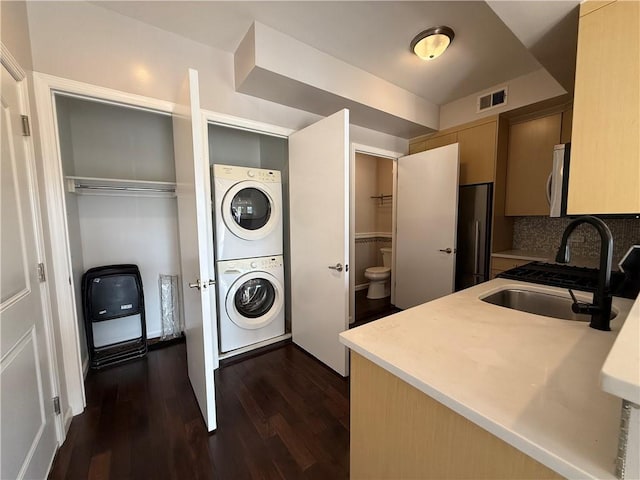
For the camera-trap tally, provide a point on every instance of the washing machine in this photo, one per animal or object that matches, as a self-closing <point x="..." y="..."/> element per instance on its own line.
<point x="250" y="301"/>
<point x="248" y="212"/>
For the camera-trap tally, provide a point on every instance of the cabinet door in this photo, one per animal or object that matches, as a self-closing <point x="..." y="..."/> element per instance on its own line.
<point x="605" y="163"/>
<point x="417" y="147"/>
<point x="441" y="140"/>
<point x="529" y="165"/>
<point x="477" y="154"/>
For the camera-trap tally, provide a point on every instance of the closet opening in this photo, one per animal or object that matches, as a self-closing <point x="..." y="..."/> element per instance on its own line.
<point x="118" y="167"/>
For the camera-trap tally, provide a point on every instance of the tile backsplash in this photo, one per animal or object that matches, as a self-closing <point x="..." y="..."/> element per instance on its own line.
<point x="545" y="233"/>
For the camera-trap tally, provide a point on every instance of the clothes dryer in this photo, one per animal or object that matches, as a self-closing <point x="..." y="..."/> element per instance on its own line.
<point x="250" y="301"/>
<point x="248" y="212"/>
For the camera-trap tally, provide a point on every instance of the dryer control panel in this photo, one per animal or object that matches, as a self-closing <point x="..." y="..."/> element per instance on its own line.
<point x="250" y="264"/>
<point x="243" y="173"/>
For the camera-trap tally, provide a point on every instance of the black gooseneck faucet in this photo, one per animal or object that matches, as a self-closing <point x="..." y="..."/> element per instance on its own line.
<point x="600" y="309"/>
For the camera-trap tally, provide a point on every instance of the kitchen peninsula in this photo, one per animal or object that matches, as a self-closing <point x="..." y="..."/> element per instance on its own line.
<point x="460" y="388"/>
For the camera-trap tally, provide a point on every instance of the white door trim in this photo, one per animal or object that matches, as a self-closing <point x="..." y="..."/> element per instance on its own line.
<point x="45" y="86"/>
<point x="11" y="64"/>
<point x="240" y="123"/>
<point x="378" y="152"/>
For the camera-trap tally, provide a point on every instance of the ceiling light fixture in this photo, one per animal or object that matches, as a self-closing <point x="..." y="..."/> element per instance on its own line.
<point x="432" y="43"/>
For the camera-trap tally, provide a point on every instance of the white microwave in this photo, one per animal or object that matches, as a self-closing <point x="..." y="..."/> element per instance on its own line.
<point x="558" y="181"/>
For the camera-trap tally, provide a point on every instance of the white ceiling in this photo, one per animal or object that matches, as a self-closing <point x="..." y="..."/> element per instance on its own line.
<point x="371" y="35"/>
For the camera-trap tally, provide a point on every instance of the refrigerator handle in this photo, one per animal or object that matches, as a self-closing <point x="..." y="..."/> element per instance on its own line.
<point x="476" y="249"/>
<point x="549" y="187"/>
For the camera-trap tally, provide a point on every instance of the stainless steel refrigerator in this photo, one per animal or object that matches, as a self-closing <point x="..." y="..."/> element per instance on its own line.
<point x="474" y="234"/>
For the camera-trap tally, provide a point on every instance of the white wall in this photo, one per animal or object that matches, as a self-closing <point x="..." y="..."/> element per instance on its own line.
<point x="85" y="42"/>
<point x="14" y="32"/>
<point x="142" y="231"/>
<point x="525" y="90"/>
<point x="366" y="171"/>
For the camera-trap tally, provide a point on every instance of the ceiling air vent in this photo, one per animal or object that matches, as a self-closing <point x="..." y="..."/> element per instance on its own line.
<point x="492" y="100"/>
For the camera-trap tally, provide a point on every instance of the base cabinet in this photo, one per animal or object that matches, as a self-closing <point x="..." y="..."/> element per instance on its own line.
<point x="399" y="432"/>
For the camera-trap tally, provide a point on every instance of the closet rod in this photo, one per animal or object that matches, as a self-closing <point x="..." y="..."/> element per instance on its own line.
<point x="382" y="198"/>
<point x="125" y="189"/>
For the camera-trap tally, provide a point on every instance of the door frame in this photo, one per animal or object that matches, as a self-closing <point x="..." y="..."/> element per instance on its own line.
<point x="45" y="87"/>
<point x="376" y="152"/>
<point x="16" y="71"/>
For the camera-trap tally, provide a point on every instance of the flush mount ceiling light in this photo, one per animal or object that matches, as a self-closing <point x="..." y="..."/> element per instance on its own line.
<point x="432" y="43"/>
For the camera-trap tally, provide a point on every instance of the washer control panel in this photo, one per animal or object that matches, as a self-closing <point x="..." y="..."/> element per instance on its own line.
<point x="248" y="265"/>
<point x="243" y="173"/>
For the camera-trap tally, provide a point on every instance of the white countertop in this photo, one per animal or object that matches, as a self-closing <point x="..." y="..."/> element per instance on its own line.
<point x="621" y="370"/>
<point x="532" y="381"/>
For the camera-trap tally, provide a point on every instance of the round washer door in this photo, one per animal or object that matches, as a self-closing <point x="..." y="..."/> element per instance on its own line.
<point x="254" y="300"/>
<point x="249" y="211"/>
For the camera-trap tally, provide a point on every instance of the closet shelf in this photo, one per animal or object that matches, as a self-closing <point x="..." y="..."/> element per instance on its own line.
<point x="382" y="197"/>
<point x="119" y="186"/>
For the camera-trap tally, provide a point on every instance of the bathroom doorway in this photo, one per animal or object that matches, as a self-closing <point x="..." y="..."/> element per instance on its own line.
<point x="373" y="205"/>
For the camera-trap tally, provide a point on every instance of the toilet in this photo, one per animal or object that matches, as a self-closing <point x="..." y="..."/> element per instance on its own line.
<point x="380" y="277"/>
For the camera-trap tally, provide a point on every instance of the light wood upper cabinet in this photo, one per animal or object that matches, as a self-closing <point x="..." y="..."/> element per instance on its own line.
<point x="567" y="122"/>
<point x="477" y="154"/>
<point x="529" y="165"/>
<point x="605" y="165"/>
<point x="477" y="149"/>
<point x="441" y="141"/>
<point x="416" y="147"/>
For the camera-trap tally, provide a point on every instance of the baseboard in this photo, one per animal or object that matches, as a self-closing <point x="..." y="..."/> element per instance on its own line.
<point x="362" y="286"/>
<point x="255" y="346"/>
<point x="156" y="342"/>
<point x="66" y="420"/>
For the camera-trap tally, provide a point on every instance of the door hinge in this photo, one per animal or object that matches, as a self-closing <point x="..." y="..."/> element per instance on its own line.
<point x="56" y="405"/>
<point x="41" y="275"/>
<point x="26" y="128"/>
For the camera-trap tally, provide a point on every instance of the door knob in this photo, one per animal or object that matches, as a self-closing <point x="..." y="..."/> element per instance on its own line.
<point x="196" y="284"/>
<point x="337" y="266"/>
<point x="445" y="250"/>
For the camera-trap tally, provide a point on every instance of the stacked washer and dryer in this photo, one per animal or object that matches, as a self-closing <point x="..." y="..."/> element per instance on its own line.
<point x="249" y="263"/>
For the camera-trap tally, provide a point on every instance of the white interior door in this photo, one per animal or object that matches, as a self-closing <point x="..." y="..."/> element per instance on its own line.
<point x="27" y="416"/>
<point x="426" y="221"/>
<point x="319" y="228"/>
<point x="194" y="211"/>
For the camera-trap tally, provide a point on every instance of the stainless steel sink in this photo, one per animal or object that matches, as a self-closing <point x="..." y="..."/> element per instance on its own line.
<point x="537" y="303"/>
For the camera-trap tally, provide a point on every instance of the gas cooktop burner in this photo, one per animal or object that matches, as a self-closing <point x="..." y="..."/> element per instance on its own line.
<point x="564" y="276"/>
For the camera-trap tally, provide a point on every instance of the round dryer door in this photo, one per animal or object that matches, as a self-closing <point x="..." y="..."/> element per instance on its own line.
<point x="249" y="211"/>
<point x="254" y="300"/>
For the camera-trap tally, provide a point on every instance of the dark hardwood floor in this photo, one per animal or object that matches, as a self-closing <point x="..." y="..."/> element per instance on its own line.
<point x="281" y="415"/>
<point x="368" y="310"/>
